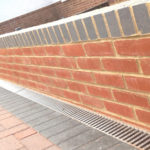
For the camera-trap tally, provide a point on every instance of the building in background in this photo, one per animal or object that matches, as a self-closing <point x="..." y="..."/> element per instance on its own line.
<point x="58" y="10"/>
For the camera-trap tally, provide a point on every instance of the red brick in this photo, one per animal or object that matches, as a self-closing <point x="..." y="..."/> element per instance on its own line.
<point x="23" y="68"/>
<point x="36" y="61"/>
<point x="45" y="80"/>
<point x="59" y="83"/>
<point x="25" y="133"/>
<point x="39" y="51"/>
<point x="5" y="116"/>
<point x="119" y="109"/>
<point x="145" y="65"/>
<point x="10" y="143"/>
<point x="10" y="122"/>
<point x="130" y="98"/>
<point x="62" y="73"/>
<point x="13" y="130"/>
<point x="67" y="62"/>
<point x="55" y="91"/>
<point x="38" y="142"/>
<point x="17" y="51"/>
<point x="138" y="47"/>
<point x="77" y="87"/>
<point x="27" y="51"/>
<point x="110" y="80"/>
<point x="47" y="71"/>
<point x="89" y="63"/>
<point x="3" y="52"/>
<point x="143" y="116"/>
<point x="83" y="76"/>
<point x="99" y="49"/>
<point x="41" y="87"/>
<point x="120" y="65"/>
<point x="33" y="77"/>
<point x="35" y="69"/>
<point x="50" y="61"/>
<point x="73" y="50"/>
<point x="53" y="50"/>
<point x="92" y="101"/>
<point x="23" y="75"/>
<point x="100" y="92"/>
<point x="138" y="83"/>
<point x="72" y="96"/>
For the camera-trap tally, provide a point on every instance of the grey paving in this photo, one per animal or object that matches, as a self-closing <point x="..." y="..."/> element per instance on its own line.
<point x="126" y="21"/>
<point x="113" y="24"/>
<point x="54" y="119"/>
<point x="59" y="128"/>
<point x="122" y="146"/>
<point x="72" y="32"/>
<point x="90" y="28"/>
<point x="37" y="115"/>
<point x="63" y="131"/>
<point x="104" y="142"/>
<point x="81" y="30"/>
<point x="142" y="18"/>
<point x="80" y="139"/>
<point x="68" y="134"/>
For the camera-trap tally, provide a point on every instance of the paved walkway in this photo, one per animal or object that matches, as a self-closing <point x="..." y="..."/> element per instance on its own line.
<point x="16" y="135"/>
<point x="43" y="127"/>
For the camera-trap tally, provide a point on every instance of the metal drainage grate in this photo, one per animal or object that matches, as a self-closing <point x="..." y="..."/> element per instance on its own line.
<point x="128" y="134"/>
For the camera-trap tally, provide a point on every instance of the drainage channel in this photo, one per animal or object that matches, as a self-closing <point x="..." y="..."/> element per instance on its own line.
<point x="128" y="134"/>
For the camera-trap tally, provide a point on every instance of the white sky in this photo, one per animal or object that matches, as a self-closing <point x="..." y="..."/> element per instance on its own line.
<point x="13" y="8"/>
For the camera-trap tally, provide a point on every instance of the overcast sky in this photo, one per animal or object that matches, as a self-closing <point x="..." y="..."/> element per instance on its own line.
<point x="12" y="8"/>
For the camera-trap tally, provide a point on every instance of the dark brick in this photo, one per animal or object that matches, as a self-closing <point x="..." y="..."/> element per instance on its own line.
<point x="126" y="21"/>
<point x="52" y="34"/>
<point x="113" y="24"/>
<point x="72" y="32"/>
<point x="37" y="37"/>
<point x="58" y="34"/>
<point x="42" y="37"/>
<point x="81" y="30"/>
<point x="65" y="33"/>
<point x="100" y="24"/>
<point x="46" y="35"/>
<point x="142" y="18"/>
<point x="90" y="28"/>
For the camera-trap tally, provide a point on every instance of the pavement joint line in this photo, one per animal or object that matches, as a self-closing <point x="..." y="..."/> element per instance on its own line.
<point x="32" y="113"/>
<point x="48" y="121"/>
<point x="70" y="137"/>
<point x="61" y="131"/>
<point x="37" y="118"/>
<point x="54" y="125"/>
<point x="90" y="142"/>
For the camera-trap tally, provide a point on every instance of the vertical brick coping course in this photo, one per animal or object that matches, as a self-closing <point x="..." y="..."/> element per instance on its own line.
<point x="16" y="135"/>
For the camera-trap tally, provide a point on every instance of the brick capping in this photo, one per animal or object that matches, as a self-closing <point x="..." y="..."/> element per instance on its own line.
<point x="104" y="71"/>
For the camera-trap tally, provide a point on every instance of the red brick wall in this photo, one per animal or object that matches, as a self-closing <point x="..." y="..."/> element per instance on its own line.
<point x="111" y="77"/>
<point x="51" y="13"/>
